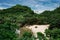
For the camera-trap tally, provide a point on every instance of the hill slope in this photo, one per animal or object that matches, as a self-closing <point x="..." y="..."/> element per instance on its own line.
<point x="51" y="17"/>
<point x="16" y="14"/>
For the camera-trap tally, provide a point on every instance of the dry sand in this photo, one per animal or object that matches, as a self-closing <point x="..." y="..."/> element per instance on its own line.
<point x="38" y="28"/>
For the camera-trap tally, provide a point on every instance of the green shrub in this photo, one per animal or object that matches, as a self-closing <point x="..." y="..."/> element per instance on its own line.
<point x="7" y="31"/>
<point x="41" y="36"/>
<point x="53" y="34"/>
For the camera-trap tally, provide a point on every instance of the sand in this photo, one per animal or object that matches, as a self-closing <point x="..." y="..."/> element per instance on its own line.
<point x="38" y="28"/>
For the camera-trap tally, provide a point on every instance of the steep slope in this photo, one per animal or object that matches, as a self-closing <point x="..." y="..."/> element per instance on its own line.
<point x="13" y="18"/>
<point x="51" y="17"/>
<point x="17" y="14"/>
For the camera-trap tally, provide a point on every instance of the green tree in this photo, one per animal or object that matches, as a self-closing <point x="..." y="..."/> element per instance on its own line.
<point x="53" y="34"/>
<point x="7" y="31"/>
<point x="27" y="36"/>
<point x="41" y="36"/>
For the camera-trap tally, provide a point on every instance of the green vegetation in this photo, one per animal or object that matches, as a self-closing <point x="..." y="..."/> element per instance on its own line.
<point x="7" y="31"/>
<point x="18" y="16"/>
<point x="53" y="34"/>
<point x="11" y="19"/>
<point x="41" y="36"/>
<point x="52" y="18"/>
<point x="26" y="34"/>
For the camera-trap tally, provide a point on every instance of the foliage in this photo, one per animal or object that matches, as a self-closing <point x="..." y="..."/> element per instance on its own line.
<point x="41" y="36"/>
<point x="53" y="34"/>
<point x="7" y="31"/>
<point x="55" y="24"/>
<point x="26" y="35"/>
<point x="18" y="16"/>
<point x="51" y="17"/>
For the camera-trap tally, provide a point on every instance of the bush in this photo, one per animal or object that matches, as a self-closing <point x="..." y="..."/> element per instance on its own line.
<point x="7" y="31"/>
<point x="53" y="34"/>
<point x="41" y="36"/>
<point x="26" y="34"/>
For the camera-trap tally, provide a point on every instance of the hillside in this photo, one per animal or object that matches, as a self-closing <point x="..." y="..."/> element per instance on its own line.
<point x="13" y="18"/>
<point x="51" y="17"/>
<point x="16" y="14"/>
<point x="23" y="15"/>
<point x="19" y="16"/>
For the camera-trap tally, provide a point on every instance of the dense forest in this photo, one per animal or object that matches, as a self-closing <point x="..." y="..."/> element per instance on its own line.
<point x="18" y="16"/>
